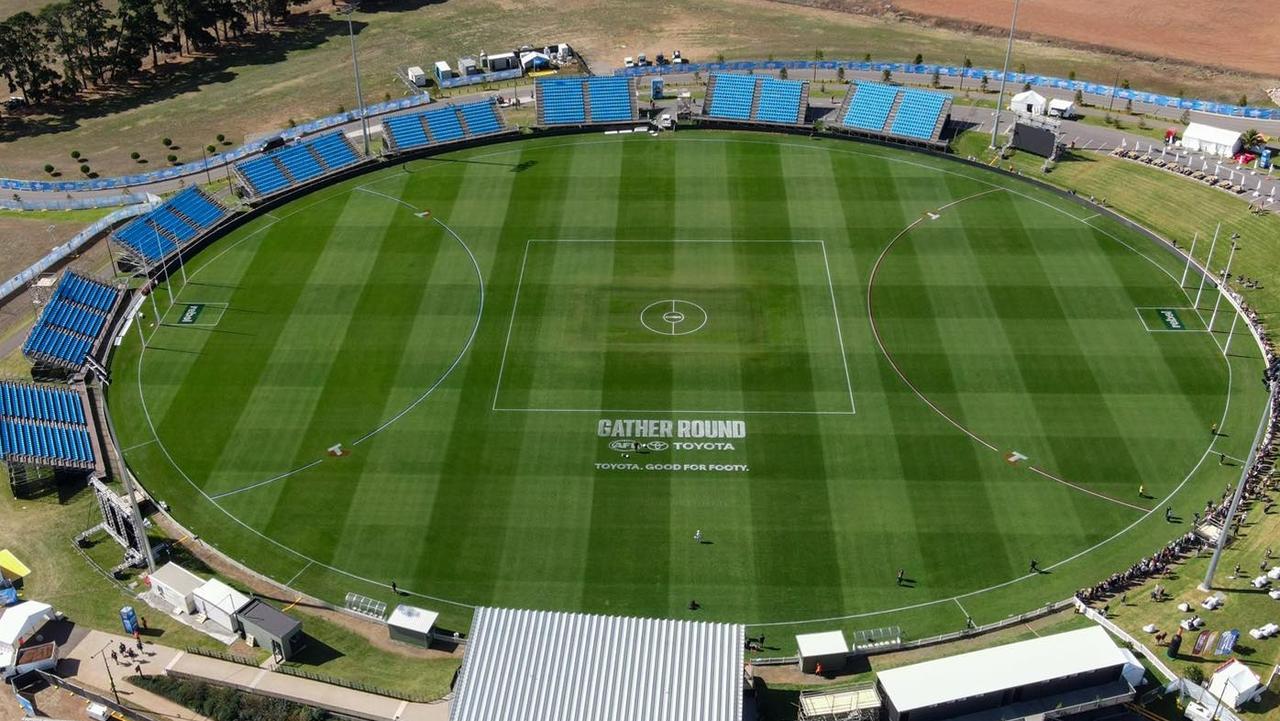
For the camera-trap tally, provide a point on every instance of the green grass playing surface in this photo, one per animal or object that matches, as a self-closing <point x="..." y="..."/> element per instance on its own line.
<point x="886" y="327"/>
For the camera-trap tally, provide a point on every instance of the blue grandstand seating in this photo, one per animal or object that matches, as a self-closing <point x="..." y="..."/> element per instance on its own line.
<point x="54" y="404"/>
<point x="869" y="109"/>
<point x="298" y="163"/>
<point x="71" y="321"/>
<point x="443" y="124"/>
<point x="264" y="175"/>
<point x="610" y="99"/>
<point x="480" y="118"/>
<point x="731" y="96"/>
<point x="918" y="114"/>
<point x="335" y="151"/>
<point x="563" y="102"/>
<point x="780" y="100"/>
<point x="406" y="131"/>
<point x="178" y="221"/>
<point x="53" y="444"/>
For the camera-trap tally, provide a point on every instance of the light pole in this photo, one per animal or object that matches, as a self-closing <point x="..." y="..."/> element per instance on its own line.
<point x="347" y="10"/>
<point x="1004" y="76"/>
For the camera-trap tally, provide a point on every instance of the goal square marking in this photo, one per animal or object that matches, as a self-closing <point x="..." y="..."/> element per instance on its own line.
<point x="581" y="307"/>
<point x="196" y="314"/>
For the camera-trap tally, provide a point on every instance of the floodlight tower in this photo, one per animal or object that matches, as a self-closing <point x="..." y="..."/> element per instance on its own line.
<point x="346" y="11"/>
<point x="1004" y="76"/>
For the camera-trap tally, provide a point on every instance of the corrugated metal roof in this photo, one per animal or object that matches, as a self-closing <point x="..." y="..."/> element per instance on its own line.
<point x="551" y="666"/>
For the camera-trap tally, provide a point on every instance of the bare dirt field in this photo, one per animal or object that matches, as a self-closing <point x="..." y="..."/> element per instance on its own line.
<point x="1217" y="33"/>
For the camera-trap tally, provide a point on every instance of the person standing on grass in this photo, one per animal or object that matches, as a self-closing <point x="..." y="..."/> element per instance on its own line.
<point x="697" y="536"/>
<point x="394" y="588"/>
<point x="902" y="574"/>
<point x="1035" y="566"/>
<point x="1142" y="491"/>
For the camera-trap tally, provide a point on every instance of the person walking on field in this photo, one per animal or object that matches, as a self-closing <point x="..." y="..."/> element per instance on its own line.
<point x="902" y="574"/>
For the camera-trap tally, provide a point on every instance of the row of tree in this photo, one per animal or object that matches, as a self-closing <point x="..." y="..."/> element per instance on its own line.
<point x="71" y="45"/>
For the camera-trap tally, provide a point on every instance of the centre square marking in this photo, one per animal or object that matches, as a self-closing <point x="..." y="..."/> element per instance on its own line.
<point x="726" y="327"/>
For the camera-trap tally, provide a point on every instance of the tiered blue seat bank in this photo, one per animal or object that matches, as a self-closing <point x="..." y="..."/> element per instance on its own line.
<point x="870" y="106"/>
<point x="780" y="101"/>
<point x="562" y="101"/>
<point x="918" y="114"/>
<point x="48" y="403"/>
<point x="731" y="96"/>
<point x="610" y="99"/>
<point x="298" y="163"/>
<point x="71" y="322"/>
<point x="45" y="443"/>
<point x="181" y="219"/>
<point x="443" y="125"/>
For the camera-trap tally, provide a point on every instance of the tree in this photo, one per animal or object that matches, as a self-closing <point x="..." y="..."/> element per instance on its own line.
<point x="142" y="31"/>
<point x="968" y="65"/>
<point x="1193" y="673"/>
<point x="885" y="75"/>
<point x="1250" y="138"/>
<point x="840" y="74"/>
<point x="936" y="80"/>
<point x="919" y="59"/>
<point x="1071" y="75"/>
<point x="719" y="57"/>
<point x="1125" y="83"/>
<point x="866" y="58"/>
<point x="48" y="168"/>
<point x="1022" y="68"/>
<point x="1244" y="100"/>
<point x="1128" y="106"/>
<point x="782" y="73"/>
<point x="818" y="56"/>
<point x="1079" y="97"/>
<point x="983" y="83"/>
<point x="25" y="58"/>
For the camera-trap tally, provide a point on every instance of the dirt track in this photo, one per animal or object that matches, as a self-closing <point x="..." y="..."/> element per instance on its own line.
<point x="1222" y="33"/>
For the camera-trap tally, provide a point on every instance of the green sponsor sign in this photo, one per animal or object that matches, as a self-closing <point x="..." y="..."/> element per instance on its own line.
<point x="191" y="313"/>
<point x="1170" y="318"/>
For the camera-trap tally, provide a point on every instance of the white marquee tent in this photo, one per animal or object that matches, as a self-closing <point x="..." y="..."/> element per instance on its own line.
<point x="1209" y="140"/>
<point x="1028" y="101"/>
<point x="1235" y="684"/>
<point x="19" y="623"/>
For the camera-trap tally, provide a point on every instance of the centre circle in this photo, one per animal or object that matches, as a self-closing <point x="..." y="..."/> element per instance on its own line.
<point x="673" y="317"/>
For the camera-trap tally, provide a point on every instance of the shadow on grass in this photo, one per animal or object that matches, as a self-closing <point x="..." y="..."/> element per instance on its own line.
<point x="173" y="79"/>
<point x="315" y="654"/>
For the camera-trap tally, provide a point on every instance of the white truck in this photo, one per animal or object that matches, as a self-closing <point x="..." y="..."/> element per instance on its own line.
<point x="417" y="76"/>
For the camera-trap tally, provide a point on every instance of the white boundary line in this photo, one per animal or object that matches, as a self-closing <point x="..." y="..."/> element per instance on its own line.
<point x="844" y="151"/>
<point x="835" y="313"/>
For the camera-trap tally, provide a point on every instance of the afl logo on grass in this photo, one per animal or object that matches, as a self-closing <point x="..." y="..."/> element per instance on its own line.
<point x="627" y="445"/>
<point x="191" y="314"/>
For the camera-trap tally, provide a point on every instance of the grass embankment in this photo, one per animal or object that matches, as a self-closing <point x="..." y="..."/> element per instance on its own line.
<point x="1173" y="206"/>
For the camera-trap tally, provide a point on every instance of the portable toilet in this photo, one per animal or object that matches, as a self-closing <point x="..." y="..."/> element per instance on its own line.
<point x="655" y="88"/>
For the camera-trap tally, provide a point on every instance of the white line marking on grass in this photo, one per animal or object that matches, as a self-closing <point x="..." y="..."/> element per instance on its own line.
<point x="137" y="446"/>
<point x="302" y="570"/>
<point x="835" y="313"/>
<point x="962" y="608"/>
<point x="511" y="324"/>
<point x="273" y="479"/>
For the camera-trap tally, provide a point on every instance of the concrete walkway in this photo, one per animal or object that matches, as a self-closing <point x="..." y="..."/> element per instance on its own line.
<point x="83" y="663"/>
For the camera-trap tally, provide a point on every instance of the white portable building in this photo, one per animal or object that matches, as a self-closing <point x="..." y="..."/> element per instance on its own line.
<point x="1028" y="101"/>
<point x="827" y="648"/>
<point x="19" y="623"/>
<point x="417" y="76"/>
<point x="1062" y="108"/>
<point x="219" y="603"/>
<point x="443" y="71"/>
<point x="1209" y="140"/>
<point x="501" y="61"/>
<point x="175" y="585"/>
<point x="1235" y="684"/>
<point x="411" y="624"/>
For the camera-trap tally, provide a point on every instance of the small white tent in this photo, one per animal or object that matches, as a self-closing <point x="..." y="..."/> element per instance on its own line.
<point x="1028" y="101"/>
<point x="18" y="624"/>
<point x="1235" y="684"/>
<point x="1209" y="140"/>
